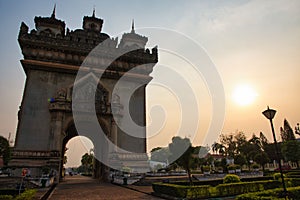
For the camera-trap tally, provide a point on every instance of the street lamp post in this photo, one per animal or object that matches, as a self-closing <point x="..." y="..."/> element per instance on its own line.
<point x="269" y="114"/>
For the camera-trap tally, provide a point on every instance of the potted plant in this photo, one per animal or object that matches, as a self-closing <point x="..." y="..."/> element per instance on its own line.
<point x="220" y="170"/>
<point x="231" y="169"/>
<point x="206" y="170"/>
<point x="255" y="167"/>
<point x="238" y="169"/>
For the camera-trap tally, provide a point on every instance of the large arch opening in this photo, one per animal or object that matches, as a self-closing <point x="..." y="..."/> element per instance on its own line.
<point x="75" y="145"/>
<point x="78" y="157"/>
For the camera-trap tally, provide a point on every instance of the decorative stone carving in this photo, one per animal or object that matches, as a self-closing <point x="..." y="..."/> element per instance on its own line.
<point x="49" y="42"/>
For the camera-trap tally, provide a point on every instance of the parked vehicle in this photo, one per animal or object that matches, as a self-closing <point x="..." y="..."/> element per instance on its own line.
<point x="284" y="168"/>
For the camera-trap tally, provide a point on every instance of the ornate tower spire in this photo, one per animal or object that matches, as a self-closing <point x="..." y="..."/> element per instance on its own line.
<point x="132" y="26"/>
<point x="92" y="23"/>
<point x="53" y="12"/>
<point x="133" y="39"/>
<point x="94" y="11"/>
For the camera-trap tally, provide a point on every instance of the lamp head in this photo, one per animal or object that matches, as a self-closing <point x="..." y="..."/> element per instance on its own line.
<point x="269" y="113"/>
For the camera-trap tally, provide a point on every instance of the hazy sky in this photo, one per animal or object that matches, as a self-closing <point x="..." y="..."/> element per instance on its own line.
<point x="253" y="43"/>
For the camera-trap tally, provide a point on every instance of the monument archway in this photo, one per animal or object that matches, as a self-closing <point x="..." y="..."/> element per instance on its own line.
<point x="52" y="58"/>
<point x="76" y="147"/>
<point x="99" y="170"/>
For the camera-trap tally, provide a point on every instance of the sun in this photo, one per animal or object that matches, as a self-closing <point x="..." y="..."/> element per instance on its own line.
<point x="244" y="95"/>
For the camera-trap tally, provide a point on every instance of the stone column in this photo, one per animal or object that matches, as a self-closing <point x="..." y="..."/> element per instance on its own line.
<point x="114" y="134"/>
<point x="56" y="134"/>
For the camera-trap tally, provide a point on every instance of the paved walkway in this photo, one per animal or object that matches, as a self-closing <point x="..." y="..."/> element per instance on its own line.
<point x="80" y="187"/>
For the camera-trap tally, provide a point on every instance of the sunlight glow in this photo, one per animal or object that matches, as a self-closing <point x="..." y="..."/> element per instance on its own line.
<point x="244" y="95"/>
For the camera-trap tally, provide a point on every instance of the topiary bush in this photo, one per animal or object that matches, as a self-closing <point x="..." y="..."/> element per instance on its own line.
<point x="231" y="178"/>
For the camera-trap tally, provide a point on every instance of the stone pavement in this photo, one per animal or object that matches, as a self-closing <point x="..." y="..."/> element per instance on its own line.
<point x="80" y="187"/>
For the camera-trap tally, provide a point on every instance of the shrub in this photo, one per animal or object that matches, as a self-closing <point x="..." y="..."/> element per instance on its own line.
<point x="293" y="193"/>
<point x="269" y="184"/>
<point x="206" y="168"/>
<point x="231" y="167"/>
<point x="191" y="192"/>
<point x="255" y="166"/>
<point x="219" y="168"/>
<point x="277" y="176"/>
<point x="169" y="189"/>
<point x="293" y="174"/>
<point x="231" y="178"/>
<point x="198" y="183"/>
<point x="237" y="167"/>
<point x="27" y="195"/>
<point x="206" y="191"/>
<point x="6" y="197"/>
<point x="237" y="188"/>
<point x="259" y="178"/>
<point x="293" y="181"/>
<point x="197" y="192"/>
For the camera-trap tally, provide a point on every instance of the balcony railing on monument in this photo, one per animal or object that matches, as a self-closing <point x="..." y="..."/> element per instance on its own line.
<point x="35" y="154"/>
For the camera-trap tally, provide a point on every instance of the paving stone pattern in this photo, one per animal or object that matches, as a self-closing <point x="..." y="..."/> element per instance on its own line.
<point x="79" y="187"/>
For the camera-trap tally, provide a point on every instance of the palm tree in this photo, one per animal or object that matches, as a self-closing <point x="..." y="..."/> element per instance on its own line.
<point x="255" y="141"/>
<point x="215" y="147"/>
<point x="218" y="148"/>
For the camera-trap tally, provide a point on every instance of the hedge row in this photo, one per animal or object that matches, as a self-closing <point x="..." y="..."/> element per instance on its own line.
<point x="293" y="174"/>
<point x="293" y="193"/>
<point x="220" y="181"/>
<point x="292" y="182"/>
<point x="182" y="191"/>
<point x="205" y="191"/>
<point x="26" y="195"/>
<point x="199" y="183"/>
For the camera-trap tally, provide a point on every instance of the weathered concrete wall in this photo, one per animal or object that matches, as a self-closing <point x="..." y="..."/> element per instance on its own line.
<point x="34" y="126"/>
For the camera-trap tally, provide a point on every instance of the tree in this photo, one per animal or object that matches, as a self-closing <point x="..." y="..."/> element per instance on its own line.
<point x="263" y="140"/>
<point x="181" y="153"/>
<point x="291" y="151"/>
<point x="230" y="145"/>
<point x="255" y="141"/>
<point x="4" y="149"/>
<point x="270" y="150"/>
<point x="286" y="132"/>
<point x="240" y="140"/>
<point x="218" y="148"/>
<point x="250" y="148"/>
<point x="262" y="158"/>
<point x="297" y="129"/>
<point x="87" y="162"/>
<point x="65" y="159"/>
<point x="160" y="154"/>
<point x="240" y="159"/>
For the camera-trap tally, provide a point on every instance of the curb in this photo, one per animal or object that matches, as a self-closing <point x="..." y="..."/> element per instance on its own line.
<point x="49" y="192"/>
